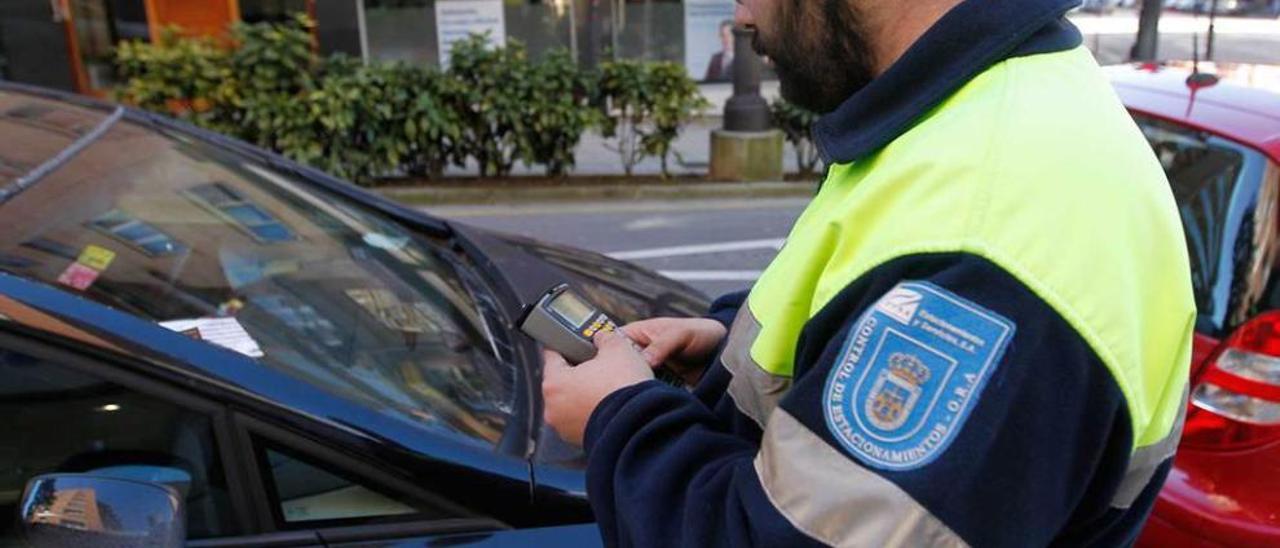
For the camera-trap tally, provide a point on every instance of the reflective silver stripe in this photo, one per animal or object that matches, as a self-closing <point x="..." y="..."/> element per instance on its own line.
<point x="755" y="391"/>
<point x="1145" y="460"/>
<point x="833" y="499"/>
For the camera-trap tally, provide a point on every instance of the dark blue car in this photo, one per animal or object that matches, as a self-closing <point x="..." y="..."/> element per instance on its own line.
<point x="298" y="361"/>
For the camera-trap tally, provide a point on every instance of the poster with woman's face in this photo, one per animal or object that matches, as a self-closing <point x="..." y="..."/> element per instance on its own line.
<point x="708" y="39"/>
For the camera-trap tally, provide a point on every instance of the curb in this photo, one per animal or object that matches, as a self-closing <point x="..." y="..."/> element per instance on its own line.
<point x="506" y="194"/>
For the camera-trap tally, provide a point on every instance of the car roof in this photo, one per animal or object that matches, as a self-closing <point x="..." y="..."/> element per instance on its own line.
<point x="1243" y="105"/>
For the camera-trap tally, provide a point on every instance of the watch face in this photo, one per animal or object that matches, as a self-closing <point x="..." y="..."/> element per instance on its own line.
<point x="572" y="309"/>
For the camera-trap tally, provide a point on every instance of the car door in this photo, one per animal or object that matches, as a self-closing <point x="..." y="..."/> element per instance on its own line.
<point x="69" y="410"/>
<point x="302" y="490"/>
<point x="74" y="405"/>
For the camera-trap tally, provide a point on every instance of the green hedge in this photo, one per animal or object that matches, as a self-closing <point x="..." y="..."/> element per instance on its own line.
<point x="647" y="105"/>
<point x="796" y="123"/>
<point x="494" y="106"/>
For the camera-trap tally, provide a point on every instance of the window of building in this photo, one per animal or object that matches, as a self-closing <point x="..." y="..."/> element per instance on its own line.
<point x="401" y="30"/>
<point x="249" y="216"/>
<point x="97" y="26"/>
<point x="129" y="17"/>
<point x="408" y="30"/>
<point x="652" y="30"/>
<point x="272" y="11"/>
<point x="143" y="236"/>
<point x="541" y="26"/>
<point x="58" y="419"/>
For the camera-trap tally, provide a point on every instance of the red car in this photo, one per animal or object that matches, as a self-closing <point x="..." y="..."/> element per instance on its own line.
<point x="1218" y="138"/>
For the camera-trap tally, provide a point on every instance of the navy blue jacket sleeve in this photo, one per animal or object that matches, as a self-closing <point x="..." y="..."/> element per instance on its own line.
<point x="711" y="387"/>
<point x="1037" y="461"/>
<point x="724" y="308"/>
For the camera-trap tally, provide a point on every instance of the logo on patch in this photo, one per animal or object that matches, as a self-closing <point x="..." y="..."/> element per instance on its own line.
<point x="896" y="391"/>
<point x="900" y="304"/>
<point x="902" y="390"/>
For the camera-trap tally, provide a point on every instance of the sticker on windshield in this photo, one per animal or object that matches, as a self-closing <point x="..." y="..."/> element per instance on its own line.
<point x="224" y="332"/>
<point x="82" y="274"/>
<point x="78" y="276"/>
<point x="97" y="258"/>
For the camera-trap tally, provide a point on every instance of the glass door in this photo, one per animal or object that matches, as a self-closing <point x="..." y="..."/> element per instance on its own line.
<point x="94" y="28"/>
<point x="275" y="11"/>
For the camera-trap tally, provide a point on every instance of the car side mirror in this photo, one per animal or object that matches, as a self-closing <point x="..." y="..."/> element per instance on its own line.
<point x="77" y="510"/>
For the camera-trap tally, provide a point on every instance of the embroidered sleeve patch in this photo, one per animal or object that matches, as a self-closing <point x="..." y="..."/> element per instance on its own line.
<point x="910" y="372"/>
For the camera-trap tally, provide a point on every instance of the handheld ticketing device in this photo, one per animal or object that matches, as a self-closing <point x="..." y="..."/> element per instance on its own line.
<point x="565" y="322"/>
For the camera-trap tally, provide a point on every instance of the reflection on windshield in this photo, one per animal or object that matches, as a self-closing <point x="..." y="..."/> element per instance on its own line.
<point x="238" y="255"/>
<point x="42" y="127"/>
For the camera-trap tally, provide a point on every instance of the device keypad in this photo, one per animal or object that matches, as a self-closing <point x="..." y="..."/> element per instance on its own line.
<point x="602" y="323"/>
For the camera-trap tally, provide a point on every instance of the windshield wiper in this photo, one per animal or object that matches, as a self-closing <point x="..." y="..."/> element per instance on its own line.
<point x="61" y="158"/>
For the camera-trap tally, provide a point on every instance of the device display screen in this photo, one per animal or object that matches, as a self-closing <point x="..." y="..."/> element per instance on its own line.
<point x="572" y="309"/>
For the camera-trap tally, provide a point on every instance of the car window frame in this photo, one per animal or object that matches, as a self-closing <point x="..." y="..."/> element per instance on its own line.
<point x="270" y="525"/>
<point x="119" y="370"/>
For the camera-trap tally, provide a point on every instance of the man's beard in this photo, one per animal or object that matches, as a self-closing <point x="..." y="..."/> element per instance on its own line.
<point x="819" y="52"/>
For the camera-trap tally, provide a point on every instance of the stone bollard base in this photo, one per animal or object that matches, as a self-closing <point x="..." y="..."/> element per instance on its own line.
<point x="746" y="155"/>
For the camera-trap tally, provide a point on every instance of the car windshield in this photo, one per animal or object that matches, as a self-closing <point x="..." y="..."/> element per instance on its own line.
<point x="212" y="245"/>
<point x="1227" y="202"/>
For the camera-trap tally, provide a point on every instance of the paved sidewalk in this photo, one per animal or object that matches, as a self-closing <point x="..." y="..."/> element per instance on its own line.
<point x="1126" y="22"/>
<point x="1237" y="39"/>
<point x="596" y="157"/>
<point x="509" y="196"/>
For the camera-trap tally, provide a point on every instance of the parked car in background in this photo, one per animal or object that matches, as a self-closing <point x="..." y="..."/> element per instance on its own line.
<point x="301" y="361"/>
<point x="1099" y="6"/>
<point x="1221" y="7"/>
<point x="1218" y="138"/>
<point x="1180" y="5"/>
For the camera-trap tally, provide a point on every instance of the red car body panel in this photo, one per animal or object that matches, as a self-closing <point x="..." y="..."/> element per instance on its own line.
<point x="1248" y="115"/>
<point x="1212" y="497"/>
<point x="1201" y="348"/>
<point x="1219" y="497"/>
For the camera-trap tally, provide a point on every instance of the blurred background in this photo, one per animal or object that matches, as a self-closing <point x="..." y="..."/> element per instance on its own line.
<point x="67" y="44"/>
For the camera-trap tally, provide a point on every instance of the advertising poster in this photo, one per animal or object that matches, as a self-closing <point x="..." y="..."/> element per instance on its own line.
<point x="708" y="39"/>
<point x="458" y="19"/>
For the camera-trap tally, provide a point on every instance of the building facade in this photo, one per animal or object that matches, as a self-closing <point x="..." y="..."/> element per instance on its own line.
<point x="67" y="44"/>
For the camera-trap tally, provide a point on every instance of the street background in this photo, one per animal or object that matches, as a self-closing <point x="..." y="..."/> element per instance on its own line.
<point x="716" y="246"/>
<point x="719" y="246"/>
<point x="1109" y="37"/>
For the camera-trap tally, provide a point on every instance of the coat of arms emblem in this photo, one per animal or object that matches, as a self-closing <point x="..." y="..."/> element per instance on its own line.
<point x="896" y="390"/>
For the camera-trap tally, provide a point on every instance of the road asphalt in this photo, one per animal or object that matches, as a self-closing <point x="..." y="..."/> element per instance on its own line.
<point x="716" y="246"/>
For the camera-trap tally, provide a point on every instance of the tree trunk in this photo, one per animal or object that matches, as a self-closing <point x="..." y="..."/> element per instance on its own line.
<point x="1148" y="40"/>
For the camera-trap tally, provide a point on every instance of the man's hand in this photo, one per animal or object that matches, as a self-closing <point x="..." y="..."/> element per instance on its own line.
<point x="687" y="345"/>
<point x="571" y="394"/>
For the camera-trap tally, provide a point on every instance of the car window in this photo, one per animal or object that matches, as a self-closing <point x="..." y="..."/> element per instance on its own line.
<point x="58" y="419"/>
<point x="1228" y="205"/>
<point x="238" y="254"/>
<point x="302" y="492"/>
